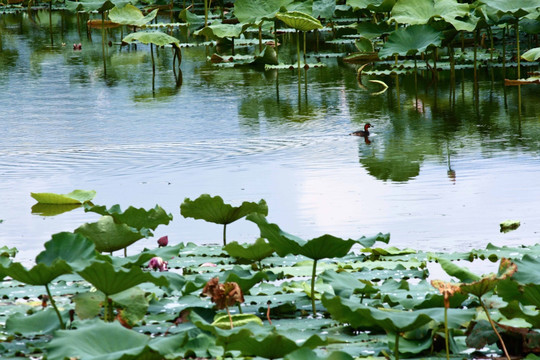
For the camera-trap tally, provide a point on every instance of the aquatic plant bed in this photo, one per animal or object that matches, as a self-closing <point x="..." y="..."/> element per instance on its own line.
<point x="372" y="301"/>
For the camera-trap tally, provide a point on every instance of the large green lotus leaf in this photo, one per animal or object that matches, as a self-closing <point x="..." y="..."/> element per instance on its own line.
<point x="134" y="304"/>
<point x="523" y="301"/>
<point x="257" y="251"/>
<point x="151" y="37"/>
<point x="75" y="249"/>
<point x="95" y="339"/>
<point x="517" y="8"/>
<point x="255" y="340"/>
<point x="362" y="316"/>
<point x="40" y="274"/>
<point x="221" y="31"/>
<point x="255" y="11"/>
<point x="528" y="270"/>
<point x="419" y="12"/>
<point x="92" y="5"/>
<point x="370" y="30"/>
<point x="88" y="304"/>
<point x="74" y="197"/>
<point x="368" y="242"/>
<point x="323" y="9"/>
<point x="345" y="284"/>
<point x="532" y="54"/>
<point x="372" y="5"/>
<point x="39" y="323"/>
<point x="130" y="15"/>
<point x="327" y="246"/>
<point x="299" y="20"/>
<point x="462" y="273"/>
<point x="410" y="40"/>
<point x="190" y="17"/>
<point x="108" y="235"/>
<point x="110" y="280"/>
<point x="213" y="209"/>
<point x="307" y="354"/>
<point x="137" y="218"/>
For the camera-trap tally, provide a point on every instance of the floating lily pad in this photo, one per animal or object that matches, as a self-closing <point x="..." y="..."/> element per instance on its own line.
<point x="74" y="197"/>
<point x="509" y="225"/>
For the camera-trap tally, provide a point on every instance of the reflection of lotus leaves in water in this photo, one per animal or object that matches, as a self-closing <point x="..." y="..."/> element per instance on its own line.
<point x="394" y="169"/>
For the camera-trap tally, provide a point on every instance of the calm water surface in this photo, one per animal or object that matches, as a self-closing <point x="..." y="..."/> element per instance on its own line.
<point x="444" y="166"/>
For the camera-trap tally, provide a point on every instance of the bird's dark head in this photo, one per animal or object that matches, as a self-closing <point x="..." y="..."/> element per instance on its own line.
<point x="367" y="126"/>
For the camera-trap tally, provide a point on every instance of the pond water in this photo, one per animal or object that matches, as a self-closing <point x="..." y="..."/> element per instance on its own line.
<point x="443" y="168"/>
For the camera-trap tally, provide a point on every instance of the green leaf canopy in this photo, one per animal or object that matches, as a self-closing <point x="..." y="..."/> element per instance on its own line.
<point x="257" y="251"/>
<point x="130" y="15"/>
<point x="255" y="11"/>
<point x="75" y="249"/>
<point x="137" y="218"/>
<point x="221" y="31"/>
<point x="419" y="12"/>
<point x="372" y="5"/>
<point x="410" y="40"/>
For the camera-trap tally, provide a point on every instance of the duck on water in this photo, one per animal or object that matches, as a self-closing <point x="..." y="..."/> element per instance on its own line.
<point x="364" y="133"/>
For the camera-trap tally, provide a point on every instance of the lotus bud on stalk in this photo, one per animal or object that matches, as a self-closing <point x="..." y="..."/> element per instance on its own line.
<point x="163" y="241"/>
<point x="157" y="263"/>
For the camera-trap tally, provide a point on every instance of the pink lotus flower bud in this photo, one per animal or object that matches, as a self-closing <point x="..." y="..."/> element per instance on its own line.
<point x="163" y="241"/>
<point x="157" y="263"/>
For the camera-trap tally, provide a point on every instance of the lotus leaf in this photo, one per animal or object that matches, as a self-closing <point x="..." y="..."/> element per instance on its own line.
<point x="130" y="15"/>
<point x="373" y="5"/>
<point x="95" y="339"/>
<point x="299" y="20"/>
<point x="157" y="38"/>
<point x="134" y="304"/>
<point x="110" y="280"/>
<point x="462" y="273"/>
<point x="40" y="274"/>
<point x="245" y="278"/>
<point x="518" y="8"/>
<point x="323" y="9"/>
<point x="370" y="30"/>
<point x="307" y="354"/>
<point x="410" y="40"/>
<point x="74" y="249"/>
<point x="110" y="236"/>
<point x="213" y="209"/>
<point x="190" y="17"/>
<point x="39" y="323"/>
<point x="223" y="322"/>
<point x="88" y="304"/>
<point x="509" y="225"/>
<point x="419" y="12"/>
<point x="256" y="11"/>
<point x="74" y="197"/>
<point x="137" y="218"/>
<point x="531" y="54"/>
<point x="345" y="284"/>
<point x="89" y="6"/>
<point x="221" y="31"/>
<point x="257" y="251"/>
<point x="527" y="270"/>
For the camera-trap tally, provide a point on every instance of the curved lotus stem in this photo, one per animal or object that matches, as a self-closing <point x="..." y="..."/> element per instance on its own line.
<point x="494" y="329"/>
<point x="53" y="303"/>
<point x="385" y="87"/>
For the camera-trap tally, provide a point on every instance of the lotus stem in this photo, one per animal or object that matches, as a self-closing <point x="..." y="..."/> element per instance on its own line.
<point x="153" y="66"/>
<point x="230" y="317"/>
<point x="313" y="275"/>
<point x="494" y="328"/>
<point x="103" y="43"/>
<point x="446" y="319"/>
<point x="53" y="303"/>
<point x="396" y="346"/>
<point x="275" y="38"/>
<point x="205" y="13"/>
<point x="305" y="61"/>
<point x="517" y="49"/>
<point x="224" y="234"/>
<point x="260" y="37"/>
<point x="298" y="51"/>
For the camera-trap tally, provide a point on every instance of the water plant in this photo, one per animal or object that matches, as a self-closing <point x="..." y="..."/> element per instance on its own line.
<point x="214" y="209"/>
